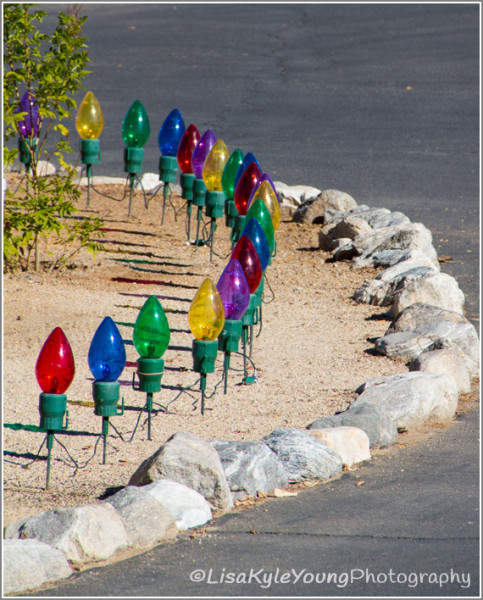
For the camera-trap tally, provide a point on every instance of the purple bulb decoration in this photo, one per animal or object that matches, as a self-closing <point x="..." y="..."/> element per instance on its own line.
<point x="234" y="290"/>
<point x="31" y="122"/>
<point x="206" y="143"/>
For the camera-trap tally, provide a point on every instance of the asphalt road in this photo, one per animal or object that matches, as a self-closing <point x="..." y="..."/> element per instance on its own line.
<point x="380" y="101"/>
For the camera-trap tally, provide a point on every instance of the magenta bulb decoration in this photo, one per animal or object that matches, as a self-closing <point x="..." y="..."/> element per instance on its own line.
<point x="31" y="121"/>
<point x="234" y="290"/>
<point x="206" y="143"/>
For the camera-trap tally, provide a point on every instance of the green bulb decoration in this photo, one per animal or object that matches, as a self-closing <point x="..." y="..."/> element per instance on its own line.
<point x="260" y="212"/>
<point x="151" y="331"/>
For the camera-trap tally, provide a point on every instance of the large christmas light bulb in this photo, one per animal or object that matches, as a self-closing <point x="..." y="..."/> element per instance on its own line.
<point x="89" y="120"/>
<point x="171" y="133"/>
<point x="135" y="127"/>
<point x="29" y="126"/>
<point x="248" y="159"/>
<point x="255" y="233"/>
<point x="259" y="211"/>
<point x="206" y="143"/>
<point x="151" y="331"/>
<point x="107" y="354"/>
<point x="55" y="367"/>
<point x="188" y="143"/>
<point x="234" y="290"/>
<point x="244" y="251"/>
<point x="206" y="315"/>
<point x="245" y="187"/>
<point x="230" y="171"/>
<point x="265" y="192"/>
<point x="214" y="165"/>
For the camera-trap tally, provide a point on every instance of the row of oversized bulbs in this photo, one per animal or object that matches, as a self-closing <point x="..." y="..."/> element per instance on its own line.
<point x="219" y="313"/>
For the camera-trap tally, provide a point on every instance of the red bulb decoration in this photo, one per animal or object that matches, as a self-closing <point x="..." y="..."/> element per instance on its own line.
<point x="55" y="367"/>
<point x="247" y="256"/>
<point x="188" y="143"/>
<point x="245" y="186"/>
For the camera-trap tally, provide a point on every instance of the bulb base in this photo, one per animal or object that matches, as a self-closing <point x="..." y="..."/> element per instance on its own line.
<point x="52" y="408"/>
<point x="199" y="192"/>
<point x="250" y="316"/>
<point x="186" y="181"/>
<point x="204" y="355"/>
<point x="150" y="371"/>
<point x="90" y="152"/>
<point x="215" y="204"/>
<point x="106" y="395"/>
<point x="231" y="213"/>
<point x="168" y="169"/>
<point x="133" y="160"/>
<point x="229" y="338"/>
<point x="27" y="148"/>
<point x="237" y="227"/>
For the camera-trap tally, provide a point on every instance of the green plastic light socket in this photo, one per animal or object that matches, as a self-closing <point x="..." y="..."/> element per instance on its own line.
<point x="199" y="192"/>
<point x="27" y="148"/>
<point x="168" y="169"/>
<point x="237" y="227"/>
<point x="204" y="355"/>
<point x="186" y="181"/>
<point x="231" y="212"/>
<point x="133" y="160"/>
<point x="259" y="292"/>
<point x="150" y="372"/>
<point x="90" y="152"/>
<point x="215" y="204"/>
<point x="229" y="338"/>
<point x="250" y="316"/>
<point x="52" y="408"/>
<point x="106" y="396"/>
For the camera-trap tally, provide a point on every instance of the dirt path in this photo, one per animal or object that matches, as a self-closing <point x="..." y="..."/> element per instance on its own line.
<point x="313" y="349"/>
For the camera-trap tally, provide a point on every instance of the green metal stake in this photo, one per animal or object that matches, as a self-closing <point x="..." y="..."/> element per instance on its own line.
<point x="165" y="197"/>
<point x="189" y="210"/>
<point x="88" y="185"/>
<point x="199" y="216"/>
<point x="226" y="367"/>
<point x="50" y="443"/>
<point x="203" y="388"/>
<point x="149" y="402"/>
<point x="105" y="431"/>
<point x="212" y="235"/>
<point x="131" y="185"/>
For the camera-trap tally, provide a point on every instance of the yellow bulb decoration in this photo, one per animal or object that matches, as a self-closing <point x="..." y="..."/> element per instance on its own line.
<point x="214" y="166"/>
<point x="266" y="194"/>
<point x="206" y="316"/>
<point x="89" y="121"/>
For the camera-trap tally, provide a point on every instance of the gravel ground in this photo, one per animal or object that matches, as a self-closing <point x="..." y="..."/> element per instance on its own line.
<point x="313" y="349"/>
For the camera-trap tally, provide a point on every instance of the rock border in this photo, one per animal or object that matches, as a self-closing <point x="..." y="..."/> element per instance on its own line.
<point x="180" y="486"/>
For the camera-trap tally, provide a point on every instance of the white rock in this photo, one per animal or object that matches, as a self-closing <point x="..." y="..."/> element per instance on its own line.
<point x="45" y="168"/>
<point x="437" y="289"/>
<point x="350" y="443"/>
<point x="28" y="564"/>
<point x="293" y="195"/>
<point x="103" y="180"/>
<point x="188" y="508"/>
<point x="91" y="532"/>
<point x="439" y="362"/>
<point x="411" y="399"/>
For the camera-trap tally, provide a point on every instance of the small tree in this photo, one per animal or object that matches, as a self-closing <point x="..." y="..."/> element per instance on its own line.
<point x="51" y="69"/>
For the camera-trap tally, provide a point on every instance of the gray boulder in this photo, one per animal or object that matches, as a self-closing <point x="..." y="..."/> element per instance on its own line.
<point x="147" y="522"/>
<point x="378" y="218"/>
<point x="28" y="564"/>
<point x="380" y="428"/>
<point x="422" y="327"/>
<point x="411" y="399"/>
<point x="187" y="507"/>
<point x="87" y="533"/>
<point x="410" y="236"/>
<point x="439" y="362"/>
<point x="303" y="456"/>
<point x="188" y="459"/>
<point x="313" y="209"/>
<point x="250" y="467"/>
<point x="347" y="228"/>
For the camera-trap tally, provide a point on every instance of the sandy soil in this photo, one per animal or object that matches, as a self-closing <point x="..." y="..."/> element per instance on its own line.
<point x="313" y="350"/>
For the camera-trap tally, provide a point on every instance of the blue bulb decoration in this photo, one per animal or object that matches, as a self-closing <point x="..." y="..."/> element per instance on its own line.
<point x="107" y="354"/>
<point x="247" y="160"/>
<point x="171" y="132"/>
<point x="254" y="231"/>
